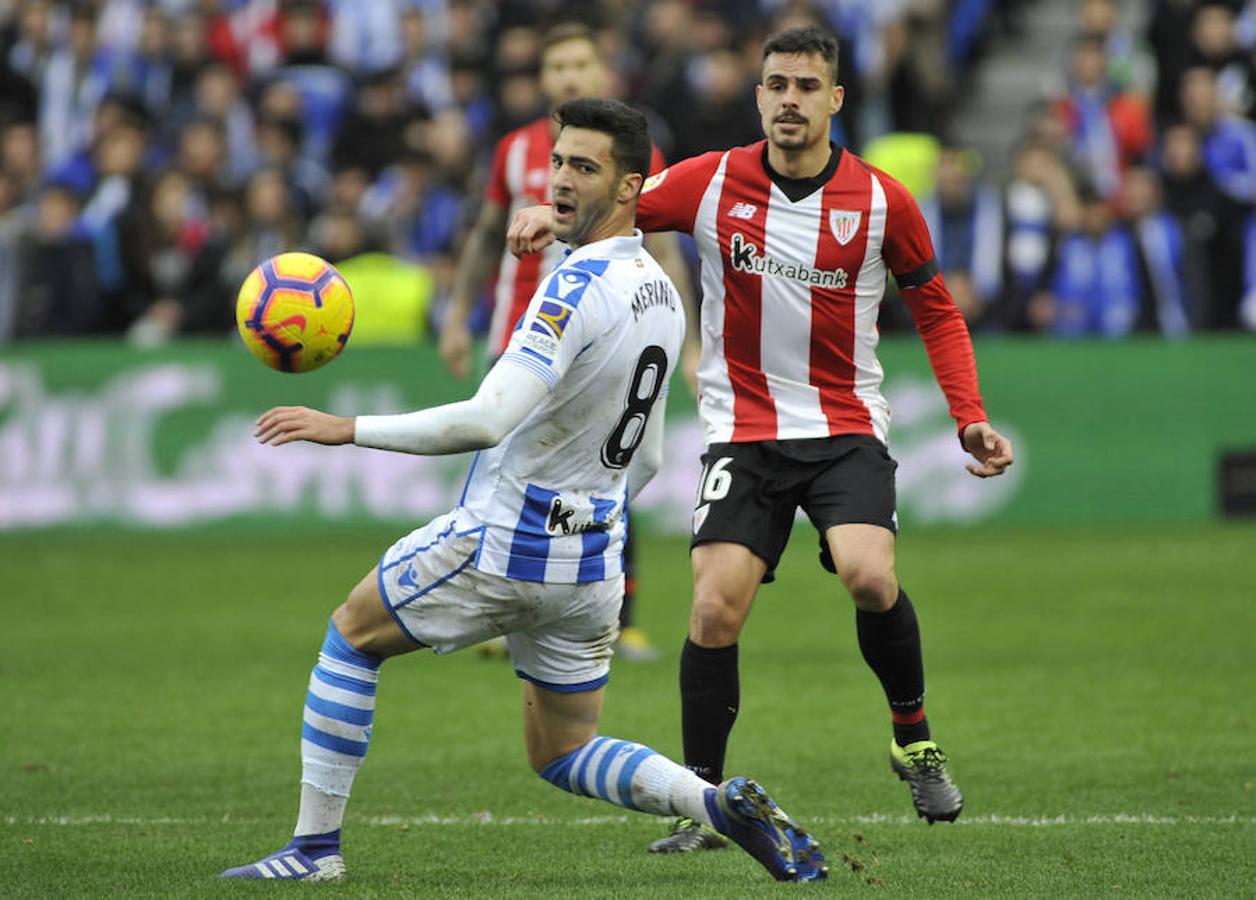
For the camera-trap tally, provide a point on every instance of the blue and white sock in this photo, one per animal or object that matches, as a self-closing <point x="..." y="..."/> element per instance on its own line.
<point x="339" y="709"/>
<point x="631" y="775"/>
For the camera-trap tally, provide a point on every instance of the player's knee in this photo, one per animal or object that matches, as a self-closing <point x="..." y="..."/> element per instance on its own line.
<point x="716" y="618"/>
<point x="873" y="587"/>
<point x="355" y="626"/>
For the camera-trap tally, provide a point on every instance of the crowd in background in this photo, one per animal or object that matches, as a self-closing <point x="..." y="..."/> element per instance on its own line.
<point x="153" y="151"/>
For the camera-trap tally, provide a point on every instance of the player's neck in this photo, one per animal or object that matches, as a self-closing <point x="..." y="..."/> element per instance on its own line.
<point x="807" y="162"/>
<point x="614" y="226"/>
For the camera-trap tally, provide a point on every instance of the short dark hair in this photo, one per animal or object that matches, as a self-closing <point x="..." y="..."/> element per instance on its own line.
<point x="809" y="39"/>
<point x="569" y="31"/>
<point x="630" y="133"/>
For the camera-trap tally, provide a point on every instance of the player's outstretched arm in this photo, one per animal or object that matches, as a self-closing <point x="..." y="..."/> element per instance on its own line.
<point x="530" y="230"/>
<point x="505" y="398"/>
<point x="992" y="450"/>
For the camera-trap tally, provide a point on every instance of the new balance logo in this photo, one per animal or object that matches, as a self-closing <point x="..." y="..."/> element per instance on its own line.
<point x="741" y="210"/>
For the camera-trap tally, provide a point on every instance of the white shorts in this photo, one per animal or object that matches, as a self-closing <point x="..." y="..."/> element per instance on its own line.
<point x="560" y="635"/>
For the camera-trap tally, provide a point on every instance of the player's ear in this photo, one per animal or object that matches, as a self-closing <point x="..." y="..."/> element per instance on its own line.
<point x="839" y="97"/>
<point x="629" y="186"/>
<point x="758" y="97"/>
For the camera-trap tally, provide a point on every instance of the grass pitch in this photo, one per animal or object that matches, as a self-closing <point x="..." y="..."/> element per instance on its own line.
<point x="1094" y="689"/>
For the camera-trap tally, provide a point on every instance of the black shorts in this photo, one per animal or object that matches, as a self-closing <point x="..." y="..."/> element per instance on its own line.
<point x="750" y="491"/>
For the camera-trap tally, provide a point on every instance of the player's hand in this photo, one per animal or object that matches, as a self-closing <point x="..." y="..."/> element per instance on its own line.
<point x="455" y="348"/>
<point x="989" y="448"/>
<point x="285" y="424"/>
<point x="531" y="230"/>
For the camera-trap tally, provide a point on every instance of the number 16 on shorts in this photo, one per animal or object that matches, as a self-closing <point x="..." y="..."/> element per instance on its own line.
<point x="715" y="483"/>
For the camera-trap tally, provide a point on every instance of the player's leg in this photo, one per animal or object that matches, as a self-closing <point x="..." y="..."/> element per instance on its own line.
<point x="853" y="503"/>
<point x="741" y="524"/>
<point x="335" y="733"/>
<point x="633" y="645"/>
<point x="560" y="730"/>
<point x="376" y="621"/>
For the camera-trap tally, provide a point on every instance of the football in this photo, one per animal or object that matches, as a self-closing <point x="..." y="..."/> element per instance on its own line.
<point x="295" y="312"/>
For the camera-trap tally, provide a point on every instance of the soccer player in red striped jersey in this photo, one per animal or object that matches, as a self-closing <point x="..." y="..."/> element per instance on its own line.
<point x="797" y="237"/>
<point x="571" y="67"/>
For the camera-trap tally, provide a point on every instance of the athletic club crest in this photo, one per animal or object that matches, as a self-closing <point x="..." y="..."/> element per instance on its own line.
<point x="844" y="223"/>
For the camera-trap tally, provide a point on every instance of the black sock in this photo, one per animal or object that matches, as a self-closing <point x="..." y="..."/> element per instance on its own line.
<point x="890" y="642"/>
<point x="709" y="696"/>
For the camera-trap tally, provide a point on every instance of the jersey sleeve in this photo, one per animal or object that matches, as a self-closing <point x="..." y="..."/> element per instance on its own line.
<point x="496" y="191"/>
<point x="553" y="330"/>
<point x="909" y="255"/>
<point x="670" y="198"/>
<point x="657" y="161"/>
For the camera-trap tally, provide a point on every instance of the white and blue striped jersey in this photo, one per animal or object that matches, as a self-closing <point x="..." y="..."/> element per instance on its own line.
<point x="604" y="330"/>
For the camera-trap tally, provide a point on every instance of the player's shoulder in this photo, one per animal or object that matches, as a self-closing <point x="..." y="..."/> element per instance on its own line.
<point x="895" y="191"/>
<point x="701" y="165"/>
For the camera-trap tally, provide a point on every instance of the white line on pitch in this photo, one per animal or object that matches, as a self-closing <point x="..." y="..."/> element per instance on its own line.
<point x="488" y="818"/>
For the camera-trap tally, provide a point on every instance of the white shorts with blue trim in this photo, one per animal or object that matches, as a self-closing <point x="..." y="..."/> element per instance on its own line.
<point x="560" y="635"/>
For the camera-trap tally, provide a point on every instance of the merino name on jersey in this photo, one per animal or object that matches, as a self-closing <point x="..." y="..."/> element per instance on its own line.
<point x="653" y="293"/>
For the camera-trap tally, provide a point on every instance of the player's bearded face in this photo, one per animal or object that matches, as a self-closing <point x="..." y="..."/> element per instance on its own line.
<point x="584" y="183"/>
<point x="796" y="99"/>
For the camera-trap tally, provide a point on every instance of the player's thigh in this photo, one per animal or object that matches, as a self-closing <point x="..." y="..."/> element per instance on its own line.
<point x="435" y="595"/>
<point x="746" y="496"/>
<point x="556" y="723"/>
<point x="864" y="557"/>
<point x="568" y="648"/>
<point x="364" y="622"/>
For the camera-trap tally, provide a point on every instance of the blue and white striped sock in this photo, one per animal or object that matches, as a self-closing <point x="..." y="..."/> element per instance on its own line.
<point x="631" y="775"/>
<point x="339" y="709"/>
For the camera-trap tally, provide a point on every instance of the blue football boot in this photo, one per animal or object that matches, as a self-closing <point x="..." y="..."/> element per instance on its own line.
<point x="742" y="810"/>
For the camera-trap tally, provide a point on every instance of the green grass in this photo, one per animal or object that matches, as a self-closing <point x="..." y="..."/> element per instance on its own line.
<point x="1095" y="689"/>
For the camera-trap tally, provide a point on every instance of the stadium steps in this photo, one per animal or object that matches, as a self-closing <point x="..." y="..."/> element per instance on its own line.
<point x="1016" y="74"/>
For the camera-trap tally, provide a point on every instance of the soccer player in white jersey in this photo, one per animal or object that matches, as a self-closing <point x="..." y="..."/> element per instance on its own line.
<point x="796" y="237"/>
<point x="533" y="550"/>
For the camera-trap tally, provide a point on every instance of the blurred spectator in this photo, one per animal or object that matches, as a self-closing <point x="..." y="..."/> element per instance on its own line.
<point x="279" y="145"/>
<point x="717" y="115"/>
<point x="371" y="135"/>
<point x="161" y="251"/>
<point x="365" y="37"/>
<point x="1094" y="290"/>
<point x="58" y="294"/>
<point x="1229" y="142"/>
<point x="202" y="155"/>
<point x="425" y="66"/>
<point x="1210" y="223"/>
<point x="72" y="83"/>
<point x="216" y="96"/>
<point x="1130" y="66"/>
<point x="1109" y="127"/>
<point x="36" y="27"/>
<point x="19" y="158"/>
<point x="1163" y="303"/>
<point x="1039" y="200"/>
<point x="1216" y="47"/>
<point x="965" y="217"/>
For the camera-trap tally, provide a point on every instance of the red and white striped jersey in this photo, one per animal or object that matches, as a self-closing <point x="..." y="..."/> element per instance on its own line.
<point x="520" y="176"/>
<point x="791" y="290"/>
